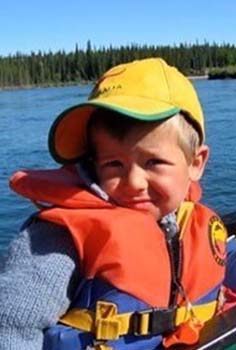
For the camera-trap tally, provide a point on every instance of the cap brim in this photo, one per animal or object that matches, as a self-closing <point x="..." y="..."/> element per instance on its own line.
<point x="67" y="136"/>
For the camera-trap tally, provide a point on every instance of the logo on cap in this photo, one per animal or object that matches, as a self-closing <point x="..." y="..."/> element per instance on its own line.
<point x="100" y="91"/>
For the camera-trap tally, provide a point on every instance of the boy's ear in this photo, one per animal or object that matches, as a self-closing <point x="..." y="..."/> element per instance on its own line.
<point x="198" y="164"/>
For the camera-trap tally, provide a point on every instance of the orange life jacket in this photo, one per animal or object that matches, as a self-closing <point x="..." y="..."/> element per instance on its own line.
<point x="125" y="247"/>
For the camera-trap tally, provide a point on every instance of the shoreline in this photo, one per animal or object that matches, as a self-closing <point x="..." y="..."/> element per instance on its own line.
<point x="198" y="77"/>
<point x="44" y="86"/>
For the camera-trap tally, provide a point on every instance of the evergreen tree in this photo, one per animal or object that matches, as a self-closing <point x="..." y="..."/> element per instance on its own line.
<point x="87" y="65"/>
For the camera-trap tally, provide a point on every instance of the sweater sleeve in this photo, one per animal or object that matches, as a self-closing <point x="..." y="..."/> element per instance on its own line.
<point x="38" y="277"/>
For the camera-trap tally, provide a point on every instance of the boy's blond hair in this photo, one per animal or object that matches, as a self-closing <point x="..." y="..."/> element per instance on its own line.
<point x="188" y="137"/>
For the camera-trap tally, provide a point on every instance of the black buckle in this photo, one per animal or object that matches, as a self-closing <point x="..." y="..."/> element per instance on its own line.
<point x="160" y="321"/>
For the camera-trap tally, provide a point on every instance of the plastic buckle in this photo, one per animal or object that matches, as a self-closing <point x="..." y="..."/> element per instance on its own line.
<point x="160" y="321"/>
<point x="107" y="329"/>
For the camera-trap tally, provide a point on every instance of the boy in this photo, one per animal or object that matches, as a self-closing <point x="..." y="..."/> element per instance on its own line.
<point x="138" y="146"/>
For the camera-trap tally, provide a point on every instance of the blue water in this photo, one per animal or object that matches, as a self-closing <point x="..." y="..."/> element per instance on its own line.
<point x="26" y="115"/>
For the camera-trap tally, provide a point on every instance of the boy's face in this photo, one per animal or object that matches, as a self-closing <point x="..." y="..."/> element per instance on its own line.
<point x="147" y="171"/>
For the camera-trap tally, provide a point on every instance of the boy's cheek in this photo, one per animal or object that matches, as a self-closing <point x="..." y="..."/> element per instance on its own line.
<point x="109" y="186"/>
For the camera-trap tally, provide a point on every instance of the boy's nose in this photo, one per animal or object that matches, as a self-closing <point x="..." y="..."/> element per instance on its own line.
<point x="136" y="179"/>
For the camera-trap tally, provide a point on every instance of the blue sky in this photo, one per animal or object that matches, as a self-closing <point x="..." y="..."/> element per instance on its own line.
<point x="29" y="25"/>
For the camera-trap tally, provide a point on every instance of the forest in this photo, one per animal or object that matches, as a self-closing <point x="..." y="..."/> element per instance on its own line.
<point x="84" y="65"/>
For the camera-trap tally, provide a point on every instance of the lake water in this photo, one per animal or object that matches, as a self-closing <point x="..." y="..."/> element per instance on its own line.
<point x="25" y="118"/>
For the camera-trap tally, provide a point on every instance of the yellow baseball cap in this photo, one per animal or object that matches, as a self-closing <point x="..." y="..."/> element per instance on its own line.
<point x="148" y="90"/>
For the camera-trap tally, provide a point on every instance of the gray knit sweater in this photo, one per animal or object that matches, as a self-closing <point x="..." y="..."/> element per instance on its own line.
<point x="38" y="278"/>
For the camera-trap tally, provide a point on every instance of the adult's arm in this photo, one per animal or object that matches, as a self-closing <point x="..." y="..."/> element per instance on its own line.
<point x="38" y="277"/>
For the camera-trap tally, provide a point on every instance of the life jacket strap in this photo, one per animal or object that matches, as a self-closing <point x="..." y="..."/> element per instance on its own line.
<point x="106" y="324"/>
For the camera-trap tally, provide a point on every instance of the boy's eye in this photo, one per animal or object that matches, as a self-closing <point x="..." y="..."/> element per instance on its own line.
<point x="156" y="161"/>
<point x="112" y="164"/>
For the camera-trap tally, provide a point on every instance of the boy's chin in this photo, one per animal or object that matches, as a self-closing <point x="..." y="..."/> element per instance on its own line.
<point x="154" y="212"/>
<point x="145" y="206"/>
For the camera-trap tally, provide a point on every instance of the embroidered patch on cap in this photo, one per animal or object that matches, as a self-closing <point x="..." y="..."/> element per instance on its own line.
<point x="218" y="237"/>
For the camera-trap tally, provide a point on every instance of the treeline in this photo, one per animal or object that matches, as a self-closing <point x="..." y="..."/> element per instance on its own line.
<point x="43" y="69"/>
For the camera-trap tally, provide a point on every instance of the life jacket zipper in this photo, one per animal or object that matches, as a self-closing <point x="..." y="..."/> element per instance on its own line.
<point x="174" y="248"/>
